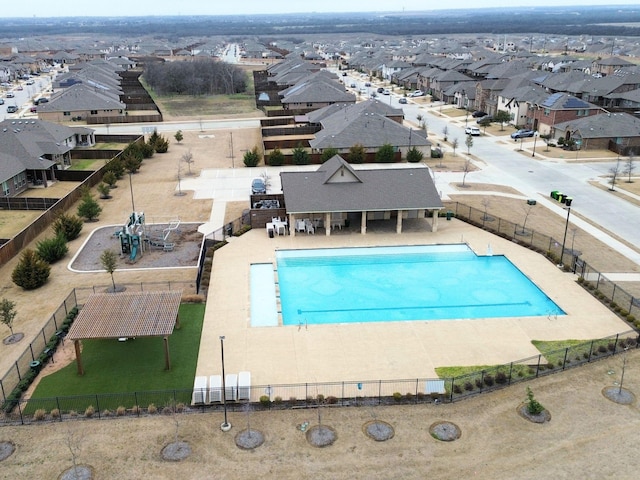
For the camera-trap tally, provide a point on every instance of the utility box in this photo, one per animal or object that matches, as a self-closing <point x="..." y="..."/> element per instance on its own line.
<point x="531" y="202"/>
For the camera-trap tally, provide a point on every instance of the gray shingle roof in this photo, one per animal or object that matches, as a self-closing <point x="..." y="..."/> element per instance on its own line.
<point x="371" y="190"/>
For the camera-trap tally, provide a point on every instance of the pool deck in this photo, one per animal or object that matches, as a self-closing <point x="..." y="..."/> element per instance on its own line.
<point x="387" y="351"/>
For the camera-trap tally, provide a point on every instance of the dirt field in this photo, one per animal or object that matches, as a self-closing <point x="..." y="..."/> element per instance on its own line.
<point x="588" y="435"/>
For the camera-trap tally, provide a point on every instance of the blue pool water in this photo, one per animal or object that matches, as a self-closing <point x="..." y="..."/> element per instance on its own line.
<point x="384" y="284"/>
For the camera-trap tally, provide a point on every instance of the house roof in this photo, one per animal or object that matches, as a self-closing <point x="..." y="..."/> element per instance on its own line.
<point x="369" y="129"/>
<point x="81" y="97"/>
<point x="337" y="186"/>
<point x="317" y="92"/>
<point x="604" y="125"/>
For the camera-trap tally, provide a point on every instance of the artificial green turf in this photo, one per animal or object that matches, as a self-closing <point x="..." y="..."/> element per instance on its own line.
<point x="132" y="366"/>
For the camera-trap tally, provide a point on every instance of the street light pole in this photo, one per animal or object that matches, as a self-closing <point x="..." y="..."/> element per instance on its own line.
<point x="535" y="139"/>
<point x="226" y="426"/>
<point x="133" y="206"/>
<point x="566" y="226"/>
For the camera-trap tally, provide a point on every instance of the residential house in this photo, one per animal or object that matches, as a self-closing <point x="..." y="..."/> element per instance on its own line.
<point x="80" y="102"/>
<point x="606" y="131"/>
<point x="32" y="150"/>
<point x="557" y="108"/>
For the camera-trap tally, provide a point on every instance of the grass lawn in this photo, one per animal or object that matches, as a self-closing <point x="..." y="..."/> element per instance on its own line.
<point x="132" y="366"/>
<point x="87" y="164"/>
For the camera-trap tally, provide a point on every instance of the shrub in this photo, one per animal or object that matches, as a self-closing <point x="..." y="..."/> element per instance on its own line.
<point x="73" y="413"/>
<point x="501" y="378"/>
<point x="331" y="400"/>
<point x="180" y="407"/>
<point x="623" y="312"/>
<point x="328" y="153"/>
<point x="397" y="396"/>
<point x="457" y="389"/>
<point x="251" y="158"/>
<point x="357" y="153"/>
<point x="414" y="155"/>
<point x="277" y="400"/>
<point x="611" y="347"/>
<point x="52" y="249"/>
<point x="55" y="413"/>
<point x="110" y="179"/>
<point x="167" y="410"/>
<point x="293" y="400"/>
<point x="276" y="158"/>
<point x="89" y="208"/>
<point x="106" y="413"/>
<point x="613" y="305"/>
<point x="31" y="272"/>
<point x="409" y="396"/>
<point x="468" y="386"/>
<point x="116" y="166"/>
<point x="301" y="156"/>
<point x="103" y="190"/>
<point x="192" y="298"/>
<point x="39" y="414"/>
<point x="136" y="410"/>
<point x="533" y="406"/>
<point x="147" y="150"/>
<point x="478" y="382"/>
<point x="385" y="154"/>
<point x="265" y="401"/>
<point x="152" y="409"/>
<point x="602" y="349"/>
<point x="69" y="226"/>
<point x="121" y="411"/>
<point x="90" y="411"/>
<point x="631" y="318"/>
<point x="488" y="380"/>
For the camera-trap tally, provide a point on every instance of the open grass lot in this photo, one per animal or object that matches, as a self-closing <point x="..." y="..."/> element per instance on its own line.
<point x="135" y="365"/>
<point x="13" y="221"/>
<point x="86" y="164"/>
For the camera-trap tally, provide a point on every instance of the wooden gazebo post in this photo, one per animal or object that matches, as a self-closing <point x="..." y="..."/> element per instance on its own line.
<point x="167" y="358"/>
<point x="76" y="344"/>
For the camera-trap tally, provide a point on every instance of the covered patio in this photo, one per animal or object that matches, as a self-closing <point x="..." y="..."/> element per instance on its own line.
<point x="337" y="195"/>
<point x="127" y="315"/>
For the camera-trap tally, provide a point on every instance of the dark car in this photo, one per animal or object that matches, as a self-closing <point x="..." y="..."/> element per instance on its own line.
<point x="258" y="186"/>
<point x="522" y="133"/>
<point x="402" y="100"/>
<point x="380" y="90"/>
<point x="38" y="101"/>
<point x="479" y="114"/>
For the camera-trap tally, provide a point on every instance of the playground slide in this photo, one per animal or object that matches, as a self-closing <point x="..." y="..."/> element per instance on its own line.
<point x="134" y="252"/>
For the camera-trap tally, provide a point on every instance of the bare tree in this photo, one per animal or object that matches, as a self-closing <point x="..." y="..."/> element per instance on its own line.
<point x="615" y="172"/>
<point x="527" y="211"/>
<point x="454" y="145"/>
<point x="486" y="202"/>
<point x="109" y="262"/>
<point x="188" y="159"/>
<point x="445" y="132"/>
<point x="629" y="167"/>
<point x="466" y="168"/>
<point x="469" y="143"/>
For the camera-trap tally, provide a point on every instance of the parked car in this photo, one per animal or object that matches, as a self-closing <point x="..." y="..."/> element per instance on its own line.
<point x="402" y="100"/>
<point x="486" y="120"/>
<point x="522" y="133"/>
<point x="33" y="109"/>
<point x="380" y="90"/>
<point x="416" y="93"/>
<point x="373" y="95"/>
<point x="12" y="109"/>
<point x="258" y="186"/>
<point x="29" y="82"/>
<point x="479" y="114"/>
<point x="367" y="84"/>
<point x="19" y="87"/>
<point x="1" y="101"/>
<point x="353" y="85"/>
<point x="10" y="95"/>
<point x="386" y="91"/>
<point x="38" y="101"/>
<point x="475" y="131"/>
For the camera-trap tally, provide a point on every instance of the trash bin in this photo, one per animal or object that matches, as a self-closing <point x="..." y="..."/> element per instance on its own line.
<point x="554" y="194"/>
<point x="531" y="202"/>
<point x="35" y="365"/>
<point x="567" y="201"/>
<point x="271" y="233"/>
<point x="449" y="215"/>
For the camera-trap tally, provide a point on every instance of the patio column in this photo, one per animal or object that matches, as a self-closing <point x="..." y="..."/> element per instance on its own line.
<point x="434" y="222"/>
<point x="292" y="225"/>
<point x="327" y="223"/>
<point x="167" y="359"/>
<point x="76" y="344"/>
<point x="399" y="222"/>
<point x="363" y="223"/>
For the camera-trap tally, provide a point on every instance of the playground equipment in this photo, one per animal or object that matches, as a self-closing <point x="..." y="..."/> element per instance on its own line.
<point x="132" y="236"/>
<point x="163" y="241"/>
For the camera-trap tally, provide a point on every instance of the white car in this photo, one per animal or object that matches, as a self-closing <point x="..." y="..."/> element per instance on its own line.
<point x="475" y="131"/>
<point x="416" y="93"/>
<point x="386" y="92"/>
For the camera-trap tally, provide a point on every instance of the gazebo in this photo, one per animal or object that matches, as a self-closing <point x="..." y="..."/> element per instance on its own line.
<point x="127" y="315"/>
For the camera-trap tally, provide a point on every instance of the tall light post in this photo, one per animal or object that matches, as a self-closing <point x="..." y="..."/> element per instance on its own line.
<point x="466" y="107"/>
<point x="225" y="426"/>
<point x="566" y="226"/>
<point x="535" y="139"/>
<point x="133" y="206"/>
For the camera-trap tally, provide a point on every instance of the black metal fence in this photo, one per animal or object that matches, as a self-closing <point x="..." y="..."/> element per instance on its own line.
<point x="313" y="395"/>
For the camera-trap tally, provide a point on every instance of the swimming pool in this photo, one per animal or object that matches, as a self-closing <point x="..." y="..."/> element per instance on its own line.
<point x="385" y="284"/>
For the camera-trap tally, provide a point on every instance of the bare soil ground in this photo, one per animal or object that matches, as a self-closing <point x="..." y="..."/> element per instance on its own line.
<point x="587" y="436"/>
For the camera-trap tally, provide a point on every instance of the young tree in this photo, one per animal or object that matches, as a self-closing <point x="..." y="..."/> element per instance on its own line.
<point x="8" y="313"/>
<point x="251" y="157"/>
<point x="67" y="226"/>
<point x="109" y="261"/>
<point x="533" y="406"/>
<point x="276" y="158"/>
<point x="188" y="159"/>
<point x="469" y="143"/>
<point x="502" y="117"/>
<point x="414" y="155"/>
<point x="527" y="211"/>
<point x="328" y="153"/>
<point x="110" y="179"/>
<point x="178" y="136"/>
<point x="486" y="201"/>
<point x="445" y="132"/>
<point x="103" y="190"/>
<point x="454" y="145"/>
<point x="419" y="117"/>
<point x="31" y="272"/>
<point x="301" y="156"/>
<point x="629" y="167"/>
<point x="52" y="249"/>
<point x="132" y="158"/>
<point x="615" y="172"/>
<point x="466" y="168"/>
<point x="386" y="154"/>
<point x="357" y="153"/>
<point x="89" y="208"/>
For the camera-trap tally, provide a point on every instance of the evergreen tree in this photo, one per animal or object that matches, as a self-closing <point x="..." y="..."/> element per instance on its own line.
<point x="178" y="136"/>
<point x="357" y="153"/>
<point x="110" y="179"/>
<point x="328" y="153"/>
<point x="251" y="158"/>
<point x="414" y="155"/>
<point x="385" y="154"/>
<point x="31" y="272"/>
<point x="109" y="262"/>
<point x="52" y="249"/>
<point x="89" y="208"/>
<point x="301" y="156"/>
<point x="276" y="158"/>
<point x="67" y="226"/>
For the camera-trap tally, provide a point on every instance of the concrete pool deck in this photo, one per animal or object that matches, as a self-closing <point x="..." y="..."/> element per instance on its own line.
<point x="387" y="351"/>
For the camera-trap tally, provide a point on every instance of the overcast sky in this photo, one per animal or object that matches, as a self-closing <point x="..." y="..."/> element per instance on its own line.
<point x="65" y="8"/>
